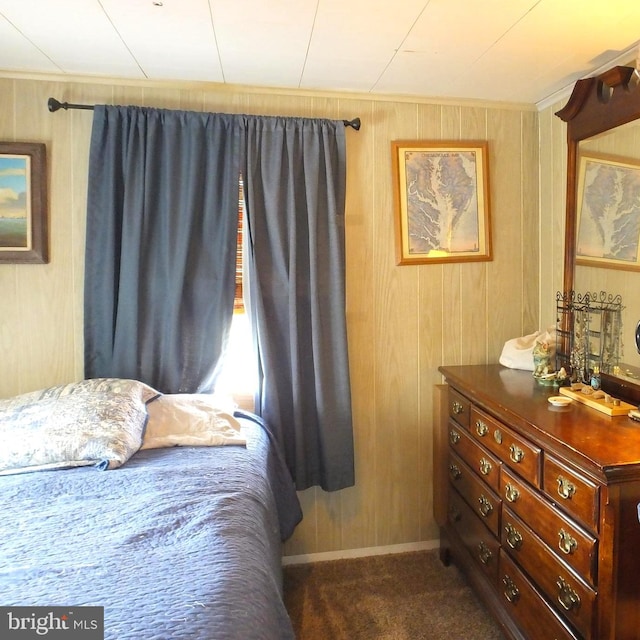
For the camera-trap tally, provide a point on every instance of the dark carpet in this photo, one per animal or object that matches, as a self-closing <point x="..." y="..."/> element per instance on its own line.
<point x="408" y="596"/>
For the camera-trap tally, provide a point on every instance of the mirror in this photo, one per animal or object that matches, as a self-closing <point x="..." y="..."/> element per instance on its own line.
<point x="603" y="128"/>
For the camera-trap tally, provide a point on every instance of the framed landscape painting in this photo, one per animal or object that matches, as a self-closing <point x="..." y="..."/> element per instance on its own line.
<point x="23" y="203"/>
<point x="442" y="201"/>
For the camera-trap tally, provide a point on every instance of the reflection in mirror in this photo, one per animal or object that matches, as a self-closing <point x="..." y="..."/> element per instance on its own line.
<point x="621" y="144"/>
<point x="590" y="324"/>
<point x="602" y="117"/>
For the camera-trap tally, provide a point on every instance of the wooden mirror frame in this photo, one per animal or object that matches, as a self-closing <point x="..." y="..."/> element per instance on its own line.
<point x="597" y="104"/>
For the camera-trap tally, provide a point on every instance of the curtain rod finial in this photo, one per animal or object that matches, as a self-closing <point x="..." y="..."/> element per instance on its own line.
<point x="54" y="105"/>
<point x="355" y="123"/>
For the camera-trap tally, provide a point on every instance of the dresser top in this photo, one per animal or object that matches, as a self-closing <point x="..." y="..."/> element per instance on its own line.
<point x="607" y="446"/>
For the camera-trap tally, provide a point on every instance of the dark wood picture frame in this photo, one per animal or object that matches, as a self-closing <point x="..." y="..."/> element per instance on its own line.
<point x="23" y="203"/>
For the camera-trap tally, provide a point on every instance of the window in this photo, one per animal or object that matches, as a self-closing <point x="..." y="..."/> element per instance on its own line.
<point x="238" y="305"/>
<point x="238" y="379"/>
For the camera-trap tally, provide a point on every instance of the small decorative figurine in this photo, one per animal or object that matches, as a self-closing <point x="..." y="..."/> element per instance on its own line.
<point x="541" y="359"/>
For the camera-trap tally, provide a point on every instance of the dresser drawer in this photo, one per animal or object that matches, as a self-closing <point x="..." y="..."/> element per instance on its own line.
<point x="459" y="408"/>
<point x="514" y="450"/>
<point x="574" y="599"/>
<point x="482" y="500"/>
<point x="571" y="543"/>
<point x="535" y="618"/>
<point x="572" y="492"/>
<point x="481" y="544"/>
<point x="477" y="457"/>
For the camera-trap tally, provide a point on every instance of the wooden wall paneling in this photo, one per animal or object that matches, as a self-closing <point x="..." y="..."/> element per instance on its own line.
<point x="271" y="104"/>
<point x="450" y="124"/>
<point x="430" y="338"/>
<point x="616" y="282"/>
<point x="553" y="190"/>
<point x="452" y="305"/>
<point x="61" y="234"/>
<point x="163" y="98"/>
<point x="7" y="109"/>
<point x="430" y="333"/>
<point x="504" y="286"/>
<point x="234" y="102"/>
<point x="548" y="229"/>
<point x="305" y="537"/>
<point x="45" y="290"/>
<point x="191" y="100"/>
<point x="451" y="273"/>
<point x="396" y="331"/>
<point x="127" y="95"/>
<point x="559" y="190"/>
<point x="10" y="318"/>
<point x="359" y="502"/>
<point x="473" y="121"/>
<point x="530" y="224"/>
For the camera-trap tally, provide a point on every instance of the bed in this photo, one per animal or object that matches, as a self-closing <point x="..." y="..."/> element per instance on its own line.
<point x="173" y="541"/>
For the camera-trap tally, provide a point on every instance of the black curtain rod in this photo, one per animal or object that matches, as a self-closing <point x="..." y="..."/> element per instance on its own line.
<point x="54" y="105"/>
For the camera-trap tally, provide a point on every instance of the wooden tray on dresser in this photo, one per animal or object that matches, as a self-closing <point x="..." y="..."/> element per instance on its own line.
<point x="598" y="404"/>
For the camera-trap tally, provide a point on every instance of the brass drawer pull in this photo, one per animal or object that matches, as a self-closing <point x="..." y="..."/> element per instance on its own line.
<point x="454" y="471"/>
<point x="485" y="507"/>
<point x="454" y="436"/>
<point x="566" y="542"/>
<point x="511" y="493"/>
<point x="566" y="489"/>
<point x="481" y="428"/>
<point x="485" y="467"/>
<point x="514" y="537"/>
<point x="567" y="597"/>
<point x="457" y="408"/>
<point x="511" y="592"/>
<point x="497" y="436"/>
<point x="484" y="553"/>
<point x="516" y="453"/>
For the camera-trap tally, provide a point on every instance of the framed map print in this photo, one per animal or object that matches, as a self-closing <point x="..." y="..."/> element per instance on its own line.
<point x="608" y="203"/>
<point x="442" y="201"/>
<point x="23" y="203"/>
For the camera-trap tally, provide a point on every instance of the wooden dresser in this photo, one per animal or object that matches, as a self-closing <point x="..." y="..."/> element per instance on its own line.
<point x="539" y="506"/>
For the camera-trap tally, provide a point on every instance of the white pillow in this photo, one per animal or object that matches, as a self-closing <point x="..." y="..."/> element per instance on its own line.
<point x="185" y="419"/>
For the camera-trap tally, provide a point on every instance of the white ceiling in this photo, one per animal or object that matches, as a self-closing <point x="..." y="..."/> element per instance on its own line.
<point x="506" y="50"/>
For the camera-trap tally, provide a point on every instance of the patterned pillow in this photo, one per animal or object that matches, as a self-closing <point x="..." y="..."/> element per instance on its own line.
<point x="94" y="422"/>
<point x="108" y="385"/>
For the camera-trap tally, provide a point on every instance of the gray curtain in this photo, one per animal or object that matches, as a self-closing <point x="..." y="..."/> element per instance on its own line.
<point x="161" y="237"/>
<point x="160" y="266"/>
<point x="294" y="184"/>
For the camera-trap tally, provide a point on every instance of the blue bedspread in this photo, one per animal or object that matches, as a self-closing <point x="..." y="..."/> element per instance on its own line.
<point x="178" y="543"/>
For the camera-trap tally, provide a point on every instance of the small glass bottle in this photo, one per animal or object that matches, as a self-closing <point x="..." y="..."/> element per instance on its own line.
<point x="595" y="378"/>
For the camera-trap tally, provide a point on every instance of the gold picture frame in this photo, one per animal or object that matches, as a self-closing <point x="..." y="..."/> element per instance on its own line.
<point x="441" y="191"/>
<point x="608" y="206"/>
<point x="23" y="203"/>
